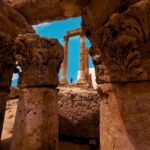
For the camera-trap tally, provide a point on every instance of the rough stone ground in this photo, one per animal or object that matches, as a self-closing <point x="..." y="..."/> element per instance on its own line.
<point x="79" y="112"/>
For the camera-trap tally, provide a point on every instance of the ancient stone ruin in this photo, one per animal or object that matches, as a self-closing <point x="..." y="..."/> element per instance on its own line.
<point x="119" y="32"/>
<point x="83" y="72"/>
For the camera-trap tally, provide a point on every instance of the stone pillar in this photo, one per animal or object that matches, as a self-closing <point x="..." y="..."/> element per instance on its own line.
<point x="36" y="124"/>
<point x="87" y="64"/>
<point x="81" y="72"/>
<point x="7" y="65"/>
<point x="65" y="62"/>
<point x="124" y="119"/>
<point x="125" y="98"/>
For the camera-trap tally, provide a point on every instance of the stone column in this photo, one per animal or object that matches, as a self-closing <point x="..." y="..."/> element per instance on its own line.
<point x="81" y="72"/>
<point x="125" y="100"/>
<point x="64" y="65"/>
<point x="125" y="97"/>
<point x="7" y="65"/>
<point x="36" y="124"/>
<point x="124" y="121"/>
<point x="87" y="64"/>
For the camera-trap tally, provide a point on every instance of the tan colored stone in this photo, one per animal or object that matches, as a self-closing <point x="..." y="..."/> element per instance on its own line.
<point x="81" y="72"/>
<point x="41" y="11"/>
<point x="65" y="62"/>
<point x="125" y="106"/>
<point x="78" y="112"/>
<point x="124" y="111"/>
<point x="36" y="125"/>
<point x="48" y="10"/>
<point x="40" y="59"/>
<point x="12" y="22"/>
<point x="86" y="56"/>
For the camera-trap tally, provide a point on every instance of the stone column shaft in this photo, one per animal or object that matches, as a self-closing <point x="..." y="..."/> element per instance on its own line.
<point x="36" y="124"/>
<point x="65" y="62"/>
<point x="86" y="63"/>
<point x="81" y="72"/>
<point x="124" y="116"/>
<point x="125" y="100"/>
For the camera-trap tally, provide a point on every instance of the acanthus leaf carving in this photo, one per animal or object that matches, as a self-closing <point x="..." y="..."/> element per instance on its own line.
<point x="123" y="36"/>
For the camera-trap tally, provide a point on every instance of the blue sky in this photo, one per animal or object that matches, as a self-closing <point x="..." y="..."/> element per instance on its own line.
<point x="58" y="29"/>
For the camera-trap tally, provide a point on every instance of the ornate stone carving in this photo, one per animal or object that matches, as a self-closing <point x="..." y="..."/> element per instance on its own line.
<point x="36" y="124"/>
<point x="40" y="60"/>
<point x="124" y="60"/>
<point x="123" y="38"/>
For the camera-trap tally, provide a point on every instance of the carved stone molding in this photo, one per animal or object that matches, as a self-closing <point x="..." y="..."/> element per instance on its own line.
<point x="37" y="113"/>
<point x="125" y="44"/>
<point x="132" y="23"/>
<point x="40" y="60"/>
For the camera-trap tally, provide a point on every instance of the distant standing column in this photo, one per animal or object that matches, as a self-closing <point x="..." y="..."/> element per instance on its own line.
<point x="65" y="62"/>
<point x="86" y="63"/>
<point x="81" y="73"/>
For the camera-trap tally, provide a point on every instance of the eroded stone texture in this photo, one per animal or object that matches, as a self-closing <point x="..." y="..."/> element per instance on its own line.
<point x="94" y="17"/>
<point x="12" y="22"/>
<point x="38" y="11"/>
<point x="39" y="59"/>
<point x="82" y="69"/>
<point x="78" y="112"/>
<point x="125" y="116"/>
<point x="65" y="63"/>
<point x="36" y="125"/>
<point x="48" y="10"/>
<point x="124" y="46"/>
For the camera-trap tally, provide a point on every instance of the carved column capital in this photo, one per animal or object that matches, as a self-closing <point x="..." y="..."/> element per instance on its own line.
<point x="126" y="42"/>
<point x="40" y="60"/>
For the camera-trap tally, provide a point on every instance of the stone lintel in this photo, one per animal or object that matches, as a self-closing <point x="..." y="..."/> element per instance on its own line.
<point x="74" y="32"/>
